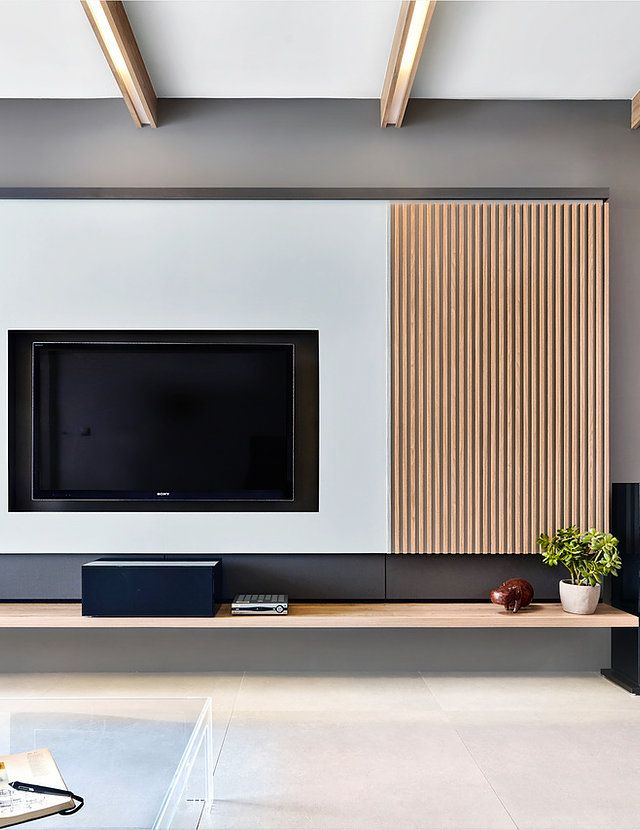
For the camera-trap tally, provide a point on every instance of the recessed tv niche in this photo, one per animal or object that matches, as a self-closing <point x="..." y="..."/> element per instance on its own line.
<point x="165" y="420"/>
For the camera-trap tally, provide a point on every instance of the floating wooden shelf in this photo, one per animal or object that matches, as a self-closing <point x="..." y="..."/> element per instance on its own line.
<point x="328" y="615"/>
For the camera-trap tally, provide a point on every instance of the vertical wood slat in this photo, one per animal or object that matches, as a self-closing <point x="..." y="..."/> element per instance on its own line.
<point x="606" y="456"/>
<point x="427" y="380"/>
<point x="452" y="312"/>
<point x="472" y="412"/>
<point x="542" y="367"/>
<point x="558" y="364"/>
<point x="525" y="504"/>
<point x="499" y="374"/>
<point x="396" y="417"/>
<point x="575" y="377"/>
<point x="566" y="367"/>
<point x="445" y="310"/>
<point x="404" y="401"/>
<point x="418" y="374"/>
<point x="494" y="541"/>
<point x="436" y="368"/>
<point x="501" y="348"/>
<point x="476" y="541"/>
<point x="582" y="356"/>
<point x="484" y="374"/>
<point x="591" y="368"/>
<point x="550" y="392"/>
<point x="411" y="297"/>
<point x="534" y="363"/>
<point x="509" y="424"/>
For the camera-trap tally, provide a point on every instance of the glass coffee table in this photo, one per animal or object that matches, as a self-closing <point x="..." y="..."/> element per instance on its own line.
<point x="140" y="764"/>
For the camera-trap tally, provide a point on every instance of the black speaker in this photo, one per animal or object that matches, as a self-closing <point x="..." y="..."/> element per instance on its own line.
<point x="115" y="587"/>
<point x="625" y="588"/>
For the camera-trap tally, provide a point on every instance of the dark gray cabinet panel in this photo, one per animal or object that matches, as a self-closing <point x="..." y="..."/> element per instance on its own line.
<point x="305" y="576"/>
<point x="465" y="576"/>
<point x="302" y="576"/>
<point x="41" y="576"/>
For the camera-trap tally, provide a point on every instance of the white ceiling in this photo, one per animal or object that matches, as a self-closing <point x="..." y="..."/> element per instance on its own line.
<point x="328" y="49"/>
<point x="531" y="50"/>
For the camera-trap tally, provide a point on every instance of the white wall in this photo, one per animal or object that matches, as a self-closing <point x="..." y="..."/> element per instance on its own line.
<point x="212" y="265"/>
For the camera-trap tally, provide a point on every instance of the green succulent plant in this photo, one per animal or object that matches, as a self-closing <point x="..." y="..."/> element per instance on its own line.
<point x="588" y="557"/>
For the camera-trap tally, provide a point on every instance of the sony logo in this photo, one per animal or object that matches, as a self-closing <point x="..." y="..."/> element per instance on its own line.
<point x="163" y="494"/>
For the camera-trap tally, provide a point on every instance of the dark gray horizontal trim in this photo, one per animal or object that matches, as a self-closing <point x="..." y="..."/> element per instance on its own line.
<point x="330" y="577"/>
<point x="291" y="193"/>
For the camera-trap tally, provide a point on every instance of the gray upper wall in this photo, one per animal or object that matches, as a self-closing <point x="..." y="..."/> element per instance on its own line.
<point x="319" y="143"/>
<point x="266" y="143"/>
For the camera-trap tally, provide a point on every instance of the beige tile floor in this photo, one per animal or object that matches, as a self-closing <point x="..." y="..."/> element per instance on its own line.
<point x="414" y="751"/>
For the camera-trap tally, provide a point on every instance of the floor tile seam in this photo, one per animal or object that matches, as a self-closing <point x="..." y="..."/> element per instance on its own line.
<point x="231" y="712"/>
<point x="482" y="773"/>
<point x="431" y="693"/>
<point x="379" y="713"/>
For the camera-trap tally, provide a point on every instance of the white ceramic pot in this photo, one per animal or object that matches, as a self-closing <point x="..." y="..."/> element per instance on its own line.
<point x="579" y="599"/>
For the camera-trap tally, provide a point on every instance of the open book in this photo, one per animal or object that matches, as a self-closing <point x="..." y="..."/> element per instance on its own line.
<point x="35" y="767"/>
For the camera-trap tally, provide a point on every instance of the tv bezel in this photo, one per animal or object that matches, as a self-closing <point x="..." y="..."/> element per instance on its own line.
<point x="306" y="439"/>
<point x="39" y="494"/>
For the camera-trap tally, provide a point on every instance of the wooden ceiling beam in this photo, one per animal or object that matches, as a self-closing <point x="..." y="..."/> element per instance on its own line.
<point x="635" y="111"/>
<point x="111" y="26"/>
<point x="406" y="50"/>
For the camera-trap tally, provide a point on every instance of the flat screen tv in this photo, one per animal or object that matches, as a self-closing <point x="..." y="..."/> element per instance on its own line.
<point x="162" y="422"/>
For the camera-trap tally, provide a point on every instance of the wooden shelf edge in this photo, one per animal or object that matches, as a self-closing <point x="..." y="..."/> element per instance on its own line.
<point x="326" y="616"/>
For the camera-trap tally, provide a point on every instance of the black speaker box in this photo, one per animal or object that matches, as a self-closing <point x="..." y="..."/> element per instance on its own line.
<point x="114" y="587"/>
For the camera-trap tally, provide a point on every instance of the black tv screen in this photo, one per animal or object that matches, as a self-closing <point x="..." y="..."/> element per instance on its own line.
<point x="163" y="421"/>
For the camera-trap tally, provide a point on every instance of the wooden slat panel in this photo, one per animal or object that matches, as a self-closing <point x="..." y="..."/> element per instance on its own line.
<point x="499" y="362"/>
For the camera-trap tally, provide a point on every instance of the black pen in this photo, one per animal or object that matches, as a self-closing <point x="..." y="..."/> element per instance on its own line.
<point x="21" y="787"/>
<point x="38" y="788"/>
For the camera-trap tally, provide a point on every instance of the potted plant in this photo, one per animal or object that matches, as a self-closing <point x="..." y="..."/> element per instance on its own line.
<point x="588" y="557"/>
